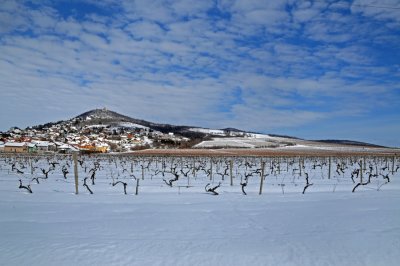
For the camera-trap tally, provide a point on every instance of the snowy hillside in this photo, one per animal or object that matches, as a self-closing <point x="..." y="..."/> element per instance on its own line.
<point x="104" y="127"/>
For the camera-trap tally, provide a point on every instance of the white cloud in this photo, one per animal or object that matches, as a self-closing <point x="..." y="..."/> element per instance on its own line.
<point x="148" y="9"/>
<point x="271" y="119"/>
<point x="383" y="10"/>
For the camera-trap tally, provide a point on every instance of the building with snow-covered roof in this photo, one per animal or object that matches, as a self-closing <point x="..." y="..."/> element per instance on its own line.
<point x="32" y="147"/>
<point x="16" y="147"/>
<point x="44" y="146"/>
<point x="66" y="148"/>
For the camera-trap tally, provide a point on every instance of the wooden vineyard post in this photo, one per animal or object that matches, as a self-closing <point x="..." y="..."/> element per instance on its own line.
<point x="262" y="177"/>
<point x="287" y="164"/>
<point x="211" y="170"/>
<point x="30" y="163"/>
<point x="300" y="165"/>
<point x="361" y="172"/>
<point x="364" y="164"/>
<point x="142" y="171"/>
<point x="194" y="169"/>
<point x="279" y="165"/>
<point x="393" y="165"/>
<point x="230" y="171"/>
<point x="131" y="167"/>
<point x="76" y="173"/>
<point x="137" y="187"/>
<point x="329" y="168"/>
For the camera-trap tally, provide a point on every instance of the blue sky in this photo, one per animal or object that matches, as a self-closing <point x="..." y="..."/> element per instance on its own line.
<point x="311" y="69"/>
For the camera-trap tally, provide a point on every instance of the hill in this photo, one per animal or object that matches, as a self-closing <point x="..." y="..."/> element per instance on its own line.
<point x="115" y="132"/>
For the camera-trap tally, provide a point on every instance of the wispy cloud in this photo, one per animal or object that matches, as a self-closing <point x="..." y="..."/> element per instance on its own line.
<point x="258" y="65"/>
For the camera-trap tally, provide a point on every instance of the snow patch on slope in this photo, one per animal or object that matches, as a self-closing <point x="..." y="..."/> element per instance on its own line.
<point x="250" y="141"/>
<point x="207" y="131"/>
<point x="131" y="125"/>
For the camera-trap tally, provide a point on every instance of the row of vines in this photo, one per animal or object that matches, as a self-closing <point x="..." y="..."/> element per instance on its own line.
<point x="128" y="174"/>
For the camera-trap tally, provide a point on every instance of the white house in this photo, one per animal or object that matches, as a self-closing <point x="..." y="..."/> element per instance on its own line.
<point x="44" y="146"/>
<point x="66" y="148"/>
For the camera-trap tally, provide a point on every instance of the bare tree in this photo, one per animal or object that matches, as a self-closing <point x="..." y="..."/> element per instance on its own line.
<point x="65" y="171"/>
<point x="244" y="184"/>
<point x="212" y="190"/>
<point x="85" y="185"/>
<point x="120" y="182"/>
<point x="46" y="173"/>
<point x="28" y="187"/>
<point x="307" y="183"/>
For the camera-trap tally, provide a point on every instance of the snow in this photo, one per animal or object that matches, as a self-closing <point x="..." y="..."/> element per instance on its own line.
<point x="15" y="144"/>
<point x="186" y="226"/>
<point x="67" y="147"/>
<point x="261" y="136"/>
<point x="207" y="131"/>
<point x="131" y="125"/>
<point x="254" y="141"/>
<point x="96" y="126"/>
<point x="40" y="143"/>
<point x="225" y="142"/>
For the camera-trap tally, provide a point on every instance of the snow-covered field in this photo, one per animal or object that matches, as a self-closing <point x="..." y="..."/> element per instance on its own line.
<point x="251" y="141"/>
<point x="181" y="225"/>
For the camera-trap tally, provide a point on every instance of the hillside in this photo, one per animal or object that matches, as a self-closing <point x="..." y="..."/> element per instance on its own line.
<point x="103" y="130"/>
<point x="105" y="116"/>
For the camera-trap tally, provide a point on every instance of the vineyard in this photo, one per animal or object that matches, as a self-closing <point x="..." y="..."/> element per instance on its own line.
<point x="134" y="175"/>
<point x="199" y="210"/>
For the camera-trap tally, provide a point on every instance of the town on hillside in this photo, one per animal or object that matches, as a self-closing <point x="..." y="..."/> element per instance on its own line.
<point x="69" y="138"/>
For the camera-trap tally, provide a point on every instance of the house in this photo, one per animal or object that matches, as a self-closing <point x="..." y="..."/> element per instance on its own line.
<point x="102" y="148"/>
<point x="16" y="147"/>
<point x="58" y="145"/>
<point x="32" y="148"/>
<point x="93" y="148"/>
<point x="66" y="148"/>
<point x="1" y="146"/>
<point x="44" y="146"/>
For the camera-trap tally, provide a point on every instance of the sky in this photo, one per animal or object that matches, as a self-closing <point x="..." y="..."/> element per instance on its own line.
<point x="322" y="69"/>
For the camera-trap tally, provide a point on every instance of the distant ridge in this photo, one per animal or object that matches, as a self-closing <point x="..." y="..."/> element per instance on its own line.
<point x="283" y="136"/>
<point x="231" y="129"/>
<point x="349" y="142"/>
